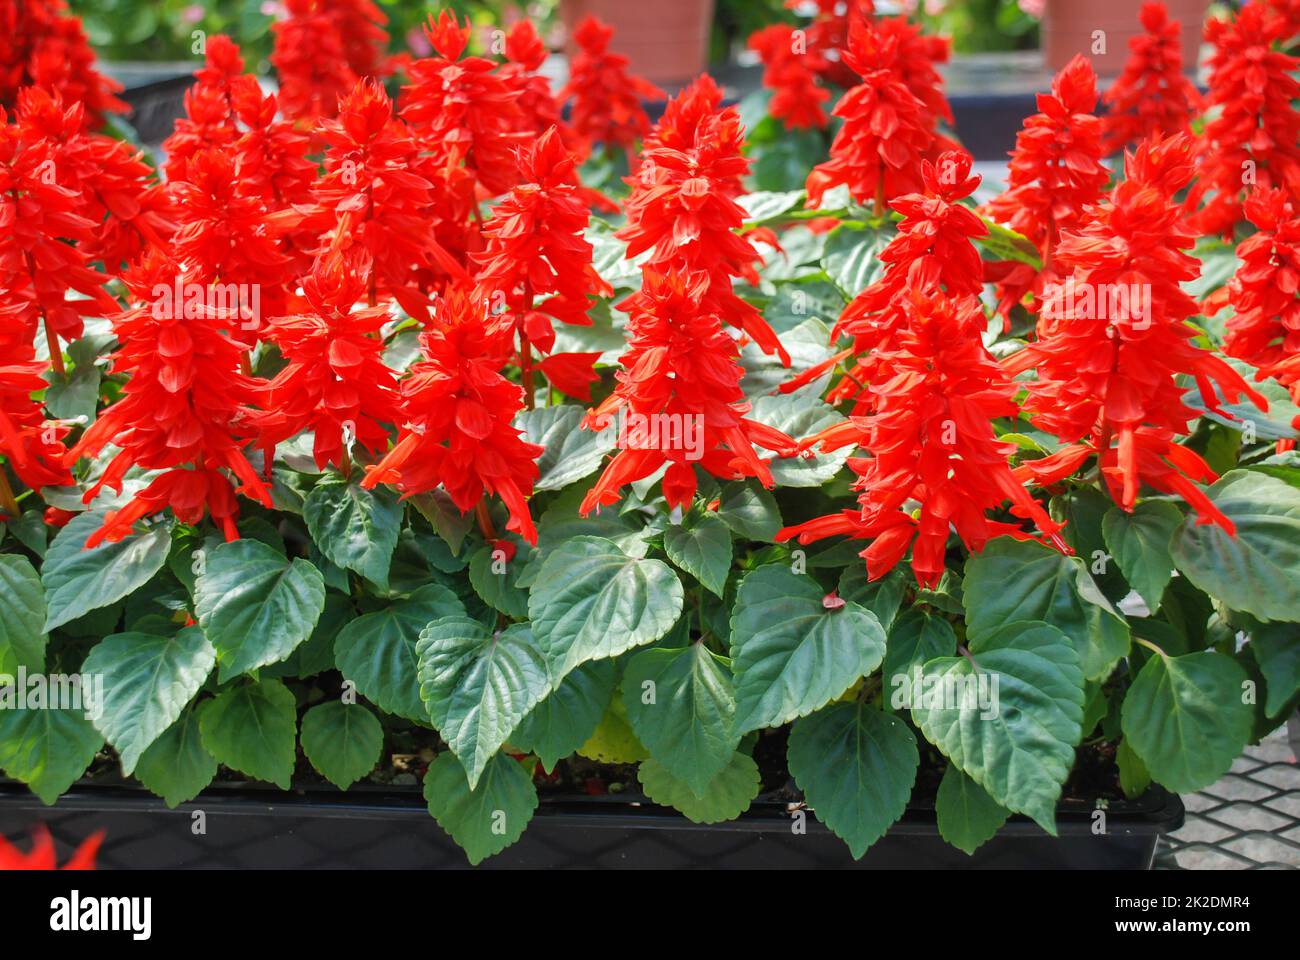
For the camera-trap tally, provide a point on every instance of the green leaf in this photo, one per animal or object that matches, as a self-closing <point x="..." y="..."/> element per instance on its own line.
<point x="496" y="580"/>
<point x="1258" y="570"/>
<point x="1277" y="651"/>
<point x="447" y="519"/>
<point x="764" y="205"/>
<point x="478" y="686"/>
<point x="798" y="416"/>
<point x="852" y="257"/>
<point x="1139" y="542"/>
<point x="78" y="580"/>
<point x="916" y="638"/>
<point x="376" y="651"/>
<point x="967" y="816"/>
<point x="791" y="655"/>
<point x="255" y="605"/>
<point x="726" y="797"/>
<point x="356" y="529"/>
<point x="1134" y="778"/>
<point x="177" y="766"/>
<point x="148" y="680"/>
<point x="1003" y="243"/>
<point x="1185" y="719"/>
<point x="251" y="728"/>
<point x="701" y="547"/>
<point x="570" y="452"/>
<point x="568" y="716"/>
<point x="681" y="705"/>
<point x="750" y="511"/>
<point x="613" y="740"/>
<point x="486" y="819"/>
<point x="1019" y="744"/>
<point x="856" y="766"/>
<point x="342" y="741"/>
<point x="47" y="749"/>
<point x="1015" y="580"/>
<point x="591" y="601"/>
<point x="883" y="597"/>
<point x="22" y="616"/>
<point x="316" y="655"/>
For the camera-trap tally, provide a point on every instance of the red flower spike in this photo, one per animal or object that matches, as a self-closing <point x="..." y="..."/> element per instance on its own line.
<point x="41" y="46"/>
<point x="335" y="383"/>
<point x="1104" y="378"/>
<point x="1152" y="97"/>
<point x="1056" y="174"/>
<point x="797" y="97"/>
<point x="932" y="252"/>
<point x="828" y="33"/>
<point x="42" y="856"/>
<point x="681" y="370"/>
<point x="887" y="131"/>
<point x="182" y="409"/>
<point x="33" y="446"/>
<point x="209" y="119"/>
<point x="606" y="98"/>
<point x="461" y="109"/>
<point x="683" y="209"/>
<point x="1264" y="329"/>
<point x="934" y="397"/>
<point x="310" y="62"/>
<point x="456" y="414"/>
<point x="1255" y="138"/>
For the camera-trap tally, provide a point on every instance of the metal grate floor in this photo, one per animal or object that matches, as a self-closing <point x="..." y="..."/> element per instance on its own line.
<point x="1249" y="820"/>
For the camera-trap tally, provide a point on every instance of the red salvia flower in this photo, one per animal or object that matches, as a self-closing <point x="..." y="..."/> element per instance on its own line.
<point x="1106" y="372"/>
<point x="32" y="445"/>
<point x="788" y="72"/>
<point x="828" y="33"/>
<point x="335" y="382"/>
<point x="682" y="208"/>
<point x="43" y="47"/>
<point x="1264" y="329"/>
<point x="43" y="241"/>
<point x="535" y="248"/>
<point x="380" y="202"/>
<point x="1255" y="138"/>
<point x="1289" y="11"/>
<point x="606" y="97"/>
<point x="461" y="109"/>
<point x="310" y="61"/>
<point x="681" y="368"/>
<point x="209" y="119"/>
<point x="538" y="109"/>
<point x="182" y="410"/>
<point x="887" y="131"/>
<point x="933" y="252"/>
<point x="42" y="855"/>
<point x="918" y="53"/>
<point x="1056" y="174"/>
<point x="456" y="413"/>
<point x="130" y="210"/>
<point x="1152" y="97"/>
<point x="934" y="395"/>
<point x="365" y="41"/>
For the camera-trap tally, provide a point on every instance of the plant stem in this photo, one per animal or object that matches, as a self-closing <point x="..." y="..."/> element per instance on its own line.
<point x="7" y="502"/>
<point x="1151" y="646"/>
<point x="56" y="351"/>
<point x="526" y="350"/>
<point x="485" y="520"/>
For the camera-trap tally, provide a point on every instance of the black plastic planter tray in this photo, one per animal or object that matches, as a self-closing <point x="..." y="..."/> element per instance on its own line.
<point x="252" y="827"/>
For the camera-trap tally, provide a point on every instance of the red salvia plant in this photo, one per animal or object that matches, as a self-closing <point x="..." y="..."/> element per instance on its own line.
<point x="682" y="369"/>
<point x="365" y="41"/>
<point x="1152" y="97"/>
<point x="32" y="445"/>
<point x="310" y="60"/>
<point x="789" y="73"/>
<point x="1106" y="379"/>
<point x="129" y="208"/>
<point x="461" y="109"/>
<point x="335" y="382"/>
<point x="538" y="109"/>
<point x="536" y="249"/>
<point x="1264" y="329"/>
<point x="606" y="97"/>
<point x="41" y="46"/>
<point x="828" y="33"/>
<point x="380" y="201"/>
<point x="182" y="410"/>
<point x="933" y="252"/>
<point x="209" y="119"/>
<point x="457" y="410"/>
<point x="934" y="394"/>
<point x="42" y="855"/>
<point x="1056" y="173"/>
<point x="918" y="53"/>
<point x="44" y="238"/>
<point x="887" y="131"/>
<point x="1289" y="11"/>
<point x="1255" y="138"/>
<point x="682" y="207"/>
